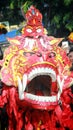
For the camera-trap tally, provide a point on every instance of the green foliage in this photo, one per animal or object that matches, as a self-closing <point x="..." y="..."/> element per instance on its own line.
<point x="69" y="26"/>
<point x="56" y="21"/>
<point x="26" y="6"/>
<point x="57" y="14"/>
<point x="12" y="5"/>
<point x="66" y="17"/>
<point x="67" y="2"/>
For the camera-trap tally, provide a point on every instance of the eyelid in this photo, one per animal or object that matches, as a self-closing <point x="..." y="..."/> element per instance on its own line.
<point x="28" y="53"/>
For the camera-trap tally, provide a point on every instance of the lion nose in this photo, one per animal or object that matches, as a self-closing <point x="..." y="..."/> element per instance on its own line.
<point x="44" y="56"/>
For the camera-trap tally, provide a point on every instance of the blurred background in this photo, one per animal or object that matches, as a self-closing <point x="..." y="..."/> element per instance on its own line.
<point x="57" y="14"/>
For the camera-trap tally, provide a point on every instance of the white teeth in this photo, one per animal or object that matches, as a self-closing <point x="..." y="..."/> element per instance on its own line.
<point x="22" y="86"/>
<point x="42" y="43"/>
<point x="41" y="98"/>
<point x="36" y="72"/>
<point x="42" y="71"/>
<point x="24" y="81"/>
<point x="20" y="89"/>
<point x="29" y="43"/>
<point x="60" y="82"/>
<point x="60" y="86"/>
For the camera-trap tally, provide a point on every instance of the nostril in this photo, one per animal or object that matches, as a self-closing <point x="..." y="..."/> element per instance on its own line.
<point x="52" y="54"/>
<point x="39" y="54"/>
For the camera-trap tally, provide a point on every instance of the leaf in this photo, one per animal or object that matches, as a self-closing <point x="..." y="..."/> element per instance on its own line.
<point x="69" y="26"/>
<point x="67" y="2"/>
<point x="56" y="19"/>
<point x="26" y="6"/>
<point x="66" y="17"/>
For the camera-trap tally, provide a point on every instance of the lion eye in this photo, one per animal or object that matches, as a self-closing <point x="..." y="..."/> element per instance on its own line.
<point x="38" y="30"/>
<point x="29" y="30"/>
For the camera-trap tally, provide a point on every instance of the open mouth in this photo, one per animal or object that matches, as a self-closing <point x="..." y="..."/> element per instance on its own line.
<point x="37" y="88"/>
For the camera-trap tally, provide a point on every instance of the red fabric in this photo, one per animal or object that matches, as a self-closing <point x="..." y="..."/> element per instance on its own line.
<point x="38" y="119"/>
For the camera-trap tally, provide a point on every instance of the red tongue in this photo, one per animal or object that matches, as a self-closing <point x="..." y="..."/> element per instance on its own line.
<point x="39" y="93"/>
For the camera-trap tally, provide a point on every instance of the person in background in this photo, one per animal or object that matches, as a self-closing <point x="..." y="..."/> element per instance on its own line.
<point x="3" y="29"/>
<point x="70" y="55"/>
<point x="67" y="43"/>
<point x="64" y="44"/>
<point x="70" y="39"/>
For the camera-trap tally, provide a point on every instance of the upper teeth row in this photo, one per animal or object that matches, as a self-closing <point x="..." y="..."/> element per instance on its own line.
<point x="42" y="71"/>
